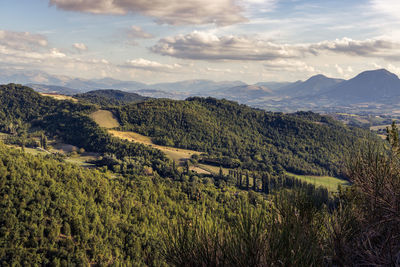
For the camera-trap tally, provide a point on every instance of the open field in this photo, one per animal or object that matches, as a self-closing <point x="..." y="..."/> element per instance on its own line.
<point x="60" y="97"/>
<point x="81" y="159"/>
<point x="379" y="127"/>
<point x="331" y="183"/>
<point x="212" y="169"/>
<point x="176" y="154"/>
<point x="105" y="118"/>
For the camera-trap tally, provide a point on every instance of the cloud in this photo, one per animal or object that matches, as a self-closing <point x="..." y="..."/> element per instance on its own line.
<point x="26" y="50"/>
<point x="366" y="48"/>
<point x="22" y="40"/>
<point x="80" y="47"/>
<point x="289" y="65"/>
<point x="136" y="32"/>
<point x="208" y="46"/>
<point x="387" y="7"/>
<point x="149" y="65"/>
<point x="174" y="12"/>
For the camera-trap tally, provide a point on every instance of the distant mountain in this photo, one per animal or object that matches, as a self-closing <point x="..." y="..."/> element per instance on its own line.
<point x="273" y="85"/>
<point x="110" y="97"/>
<point x="377" y="86"/>
<point x="195" y="86"/>
<point x="154" y="93"/>
<point x="44" y="88"/>
<point x="241" y="94"/>
<point x="30" y="76"/>
<point x="315" y="85"/>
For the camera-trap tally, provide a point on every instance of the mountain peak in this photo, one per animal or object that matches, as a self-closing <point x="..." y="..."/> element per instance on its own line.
<point x="379" y="73"/>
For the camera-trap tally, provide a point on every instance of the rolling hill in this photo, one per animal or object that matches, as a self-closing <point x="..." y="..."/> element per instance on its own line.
<point x="110" y="97"/>
<point x="236" y="135"/>
<point x="242" y="94"/>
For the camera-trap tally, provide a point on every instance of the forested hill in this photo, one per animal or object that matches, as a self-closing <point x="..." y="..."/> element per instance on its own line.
<point x="110" y="97"/>
<point x="25" y="113"/>
<point x="239" y="136"/>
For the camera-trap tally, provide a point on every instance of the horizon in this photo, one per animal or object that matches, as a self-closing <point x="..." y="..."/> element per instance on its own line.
<point x="193" y="80"/>
<point x="225" y="40"/>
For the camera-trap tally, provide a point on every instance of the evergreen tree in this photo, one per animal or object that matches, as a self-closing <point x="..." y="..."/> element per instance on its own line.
<point x="247" y="180"/>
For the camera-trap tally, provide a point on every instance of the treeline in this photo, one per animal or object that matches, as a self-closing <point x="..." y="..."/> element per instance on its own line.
<point x="110" y="97"/>
<point x="235" y="135"/>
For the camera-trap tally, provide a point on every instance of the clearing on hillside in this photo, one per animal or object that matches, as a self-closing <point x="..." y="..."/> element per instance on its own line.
<point x="176" y="154"/>
<point x="105" y="118"/>
<point x="60" y="97"/>
<point x="331" y="183"/>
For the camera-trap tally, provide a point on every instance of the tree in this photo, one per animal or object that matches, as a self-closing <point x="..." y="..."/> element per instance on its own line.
<point x="247" y="180"/>
<point x="43" y="141"/>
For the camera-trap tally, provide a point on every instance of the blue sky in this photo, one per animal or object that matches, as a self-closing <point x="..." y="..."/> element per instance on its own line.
<point x="161" y="41"/>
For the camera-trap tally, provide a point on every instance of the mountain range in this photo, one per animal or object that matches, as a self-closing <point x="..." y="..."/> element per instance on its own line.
<point x="375" y="90"/>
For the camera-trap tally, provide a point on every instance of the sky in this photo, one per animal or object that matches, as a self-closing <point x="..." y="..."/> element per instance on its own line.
<point x="155" y="41"/>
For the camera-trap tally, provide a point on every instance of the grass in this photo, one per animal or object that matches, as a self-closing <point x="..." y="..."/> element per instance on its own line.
<point x="176" y="154"/>
<point x="60" y="97"/>
<point x="329" y="182"/>
<point x="105" y="118"/>
<point x="81" y="160"/>
<point x="212" y="169"/>
<point x="379" y="127"/>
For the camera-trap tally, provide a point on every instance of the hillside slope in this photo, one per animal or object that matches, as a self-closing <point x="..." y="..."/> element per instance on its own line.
<point x="236" y="135"/>
<point x="110" y="97"/>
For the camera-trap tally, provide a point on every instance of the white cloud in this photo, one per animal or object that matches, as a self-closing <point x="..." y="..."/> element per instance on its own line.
<point x="22" y="40"/>
<point x="137" y="32"/>
<point x="175" y="12"/>
<point x="80" y="46"/>
<point x="289" y="66"/>
<point x="367" y="48"/>
<point x="208" y="46"/>
<point x="387" y="7"/>
<point x="145" y="64"/>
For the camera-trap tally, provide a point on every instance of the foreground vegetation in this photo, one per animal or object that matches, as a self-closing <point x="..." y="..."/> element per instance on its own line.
<point x="56" y="213"/>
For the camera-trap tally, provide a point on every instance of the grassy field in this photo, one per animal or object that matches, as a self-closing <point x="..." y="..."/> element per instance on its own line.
<point x="379" y="127"/>
<point x="105" y="118"/>
<point x="60" y="97"/>
<point x="176" y="154"/>
<point x="331" y="183"/>
<point x="212" y="169"/>
<point x="82" y="159"/>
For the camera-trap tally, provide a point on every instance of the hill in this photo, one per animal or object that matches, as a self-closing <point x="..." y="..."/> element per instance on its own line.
<point x="52" y="89"/>
<point x="315" y="85"/>
<point x="110" y="97"/>
<point x="377" y="86"/>
<point x="195" y="86"/>
<point x="25" y="113"/>
<point x="235" y="135"/>
<point x="242" y="93"/>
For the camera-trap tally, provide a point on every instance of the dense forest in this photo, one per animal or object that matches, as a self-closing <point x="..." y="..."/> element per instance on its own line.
<point x="235" y="135"/>
<point x="54" y="213"/>
<point x="110" y="97"/>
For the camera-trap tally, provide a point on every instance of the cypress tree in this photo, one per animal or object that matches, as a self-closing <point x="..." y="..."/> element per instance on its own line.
<point x="247" y="181"/>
